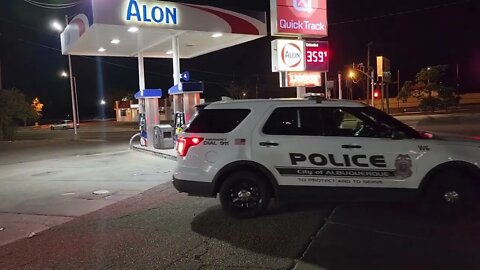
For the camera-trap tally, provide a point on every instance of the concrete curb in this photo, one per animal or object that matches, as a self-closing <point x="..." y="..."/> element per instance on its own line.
<point x="156" y="152"/>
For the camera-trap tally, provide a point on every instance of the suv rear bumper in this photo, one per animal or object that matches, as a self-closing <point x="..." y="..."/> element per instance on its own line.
<point x="202" y="189"/>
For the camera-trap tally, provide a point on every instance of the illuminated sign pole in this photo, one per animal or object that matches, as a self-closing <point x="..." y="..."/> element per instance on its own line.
<point x="301" y="90"/>
<point x="300" y="18"/>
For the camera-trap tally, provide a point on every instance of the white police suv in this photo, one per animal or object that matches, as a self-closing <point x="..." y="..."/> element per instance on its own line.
<point x="250" y="151"/>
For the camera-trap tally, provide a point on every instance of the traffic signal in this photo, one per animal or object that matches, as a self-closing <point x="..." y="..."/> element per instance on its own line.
<point x="376" y="93"/>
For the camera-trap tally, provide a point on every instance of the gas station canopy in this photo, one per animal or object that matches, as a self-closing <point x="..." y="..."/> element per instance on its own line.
<point x="128" y="28"/>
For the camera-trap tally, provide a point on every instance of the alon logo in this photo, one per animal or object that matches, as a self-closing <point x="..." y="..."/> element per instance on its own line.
<point x="149" y="12"/>
<point x="303" y="5"/>
<point x="292" y="55"/>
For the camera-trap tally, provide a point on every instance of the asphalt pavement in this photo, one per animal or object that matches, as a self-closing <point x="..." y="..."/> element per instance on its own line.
<point x="161" y="229"/>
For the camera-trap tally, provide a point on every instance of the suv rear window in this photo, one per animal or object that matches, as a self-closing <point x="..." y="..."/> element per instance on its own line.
<point x="217" y="120"/>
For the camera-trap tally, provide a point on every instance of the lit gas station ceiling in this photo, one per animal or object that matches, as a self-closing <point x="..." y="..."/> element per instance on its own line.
<point x="152" y="42"/>
<point x="126" y="28"/>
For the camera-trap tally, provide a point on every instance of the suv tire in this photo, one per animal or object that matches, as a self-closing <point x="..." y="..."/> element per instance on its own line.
<point x="450" y="195"/>
<point x="245" y="194"/>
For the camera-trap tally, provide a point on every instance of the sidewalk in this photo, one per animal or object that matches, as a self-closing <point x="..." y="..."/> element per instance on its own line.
<point x="46" y="192"/>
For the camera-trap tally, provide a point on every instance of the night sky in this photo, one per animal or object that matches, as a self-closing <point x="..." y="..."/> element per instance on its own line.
<point x="413" y="34"/>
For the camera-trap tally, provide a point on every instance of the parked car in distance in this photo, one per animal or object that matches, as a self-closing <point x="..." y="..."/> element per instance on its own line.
<point x="64" y="124"/>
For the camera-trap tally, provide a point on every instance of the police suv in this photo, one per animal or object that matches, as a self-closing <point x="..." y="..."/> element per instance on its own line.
<point x="250" y="151"/>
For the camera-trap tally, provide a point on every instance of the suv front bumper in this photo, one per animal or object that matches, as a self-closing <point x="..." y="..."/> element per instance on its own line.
<point x="202" y="189"/>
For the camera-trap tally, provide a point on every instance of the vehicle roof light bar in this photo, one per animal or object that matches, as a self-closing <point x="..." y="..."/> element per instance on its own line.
<point x="319" y="97"/>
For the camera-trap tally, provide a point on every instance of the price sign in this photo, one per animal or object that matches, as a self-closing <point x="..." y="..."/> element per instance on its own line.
<point x="317" y="55"/>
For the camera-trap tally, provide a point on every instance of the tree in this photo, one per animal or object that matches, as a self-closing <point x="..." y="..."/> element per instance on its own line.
<point x="428" y="88"/>
<point x="237" y="90"/>
<point x="37" y="107"/>
<point x="448" y="96"/>
<point x="406" y="91"/>
<point x="430" y="78"/>
<point x="14" y="109"/>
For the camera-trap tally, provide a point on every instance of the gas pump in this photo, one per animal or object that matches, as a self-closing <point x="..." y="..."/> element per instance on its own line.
<point x="142" y="123"/>
<point x="189" y="95"/>
<point x="179" y="123"/>
<point x="143" y="130"/>
<point x="148" y="112"/>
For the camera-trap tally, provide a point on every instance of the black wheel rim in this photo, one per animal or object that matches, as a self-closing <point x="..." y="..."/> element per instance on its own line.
<point x="244" y="195"/>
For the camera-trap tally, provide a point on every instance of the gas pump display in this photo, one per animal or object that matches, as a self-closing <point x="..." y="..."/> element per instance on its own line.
<point x="143" y="130"/>
<point x="179" y="119"/>
<point x="179" y="123"/>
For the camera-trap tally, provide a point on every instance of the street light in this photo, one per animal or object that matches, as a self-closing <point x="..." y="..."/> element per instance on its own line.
<point x="370" y="76"/>
<point x="103" y="102"/>
<point x="58" y="27"/>
<point x="351" y="74"/>
<point x="64" y="74"/>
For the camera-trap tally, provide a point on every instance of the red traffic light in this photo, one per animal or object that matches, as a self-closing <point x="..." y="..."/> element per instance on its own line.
<point x="376" y="94"/>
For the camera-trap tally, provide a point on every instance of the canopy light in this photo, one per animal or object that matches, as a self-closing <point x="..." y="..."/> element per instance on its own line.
<point x="133" y="29"/>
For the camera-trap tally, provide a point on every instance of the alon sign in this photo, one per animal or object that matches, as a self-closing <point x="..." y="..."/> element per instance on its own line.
<point x="288" y="55"/>
<point x="151" y="12"/>
<point x="299" y="18"/>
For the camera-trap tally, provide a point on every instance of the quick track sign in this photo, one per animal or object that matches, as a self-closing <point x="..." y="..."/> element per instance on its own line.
<point x="299" y="18"/>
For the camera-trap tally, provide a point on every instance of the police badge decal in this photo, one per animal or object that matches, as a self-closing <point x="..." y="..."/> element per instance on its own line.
<point x="403" y="166"/>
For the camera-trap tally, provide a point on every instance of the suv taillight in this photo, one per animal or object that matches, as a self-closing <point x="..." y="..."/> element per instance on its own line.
<point x="183" y="144"/>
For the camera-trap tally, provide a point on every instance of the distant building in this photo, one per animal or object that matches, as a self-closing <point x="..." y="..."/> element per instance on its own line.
<point x="127" y="110"/>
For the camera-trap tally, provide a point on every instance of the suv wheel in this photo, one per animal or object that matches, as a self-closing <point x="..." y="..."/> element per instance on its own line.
<point x="450" y="194"/>
<point x="245" y="194"/>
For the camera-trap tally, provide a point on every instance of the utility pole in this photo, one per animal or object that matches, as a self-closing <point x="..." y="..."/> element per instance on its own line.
<point x="382" y="93"/>
<point x="340" y="86"/>
<point x="368" y="65"/>
<point x="72" y="92"/>
<point x="1" y="85"/>
<point x="256" y="87"/>
<point x="458" y="82"/>
<point x="326" y="88"/>
<point x="398" y="81"/>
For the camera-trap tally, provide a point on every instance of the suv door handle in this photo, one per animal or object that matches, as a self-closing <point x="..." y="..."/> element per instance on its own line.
<point x="351" y="146"/>
<point x="268" y="144"/>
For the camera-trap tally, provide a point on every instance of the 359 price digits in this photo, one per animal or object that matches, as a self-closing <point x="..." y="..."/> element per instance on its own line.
<point x="316" y="56"/>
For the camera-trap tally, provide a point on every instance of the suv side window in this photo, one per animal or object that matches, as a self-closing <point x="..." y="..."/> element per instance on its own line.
<point x="362" y="122"/>
<point x="304" y="121"/>
<point x="340" y="122"/>
<point x="217" y="120"/>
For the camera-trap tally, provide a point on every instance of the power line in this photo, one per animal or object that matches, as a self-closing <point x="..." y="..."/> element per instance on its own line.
<point x="400" y="13"/>
<point x="95" y="59"/>
<point x="51" y="6"/>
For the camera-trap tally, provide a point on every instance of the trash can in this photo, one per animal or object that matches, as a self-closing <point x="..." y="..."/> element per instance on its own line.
<point x="163" y="137"/>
